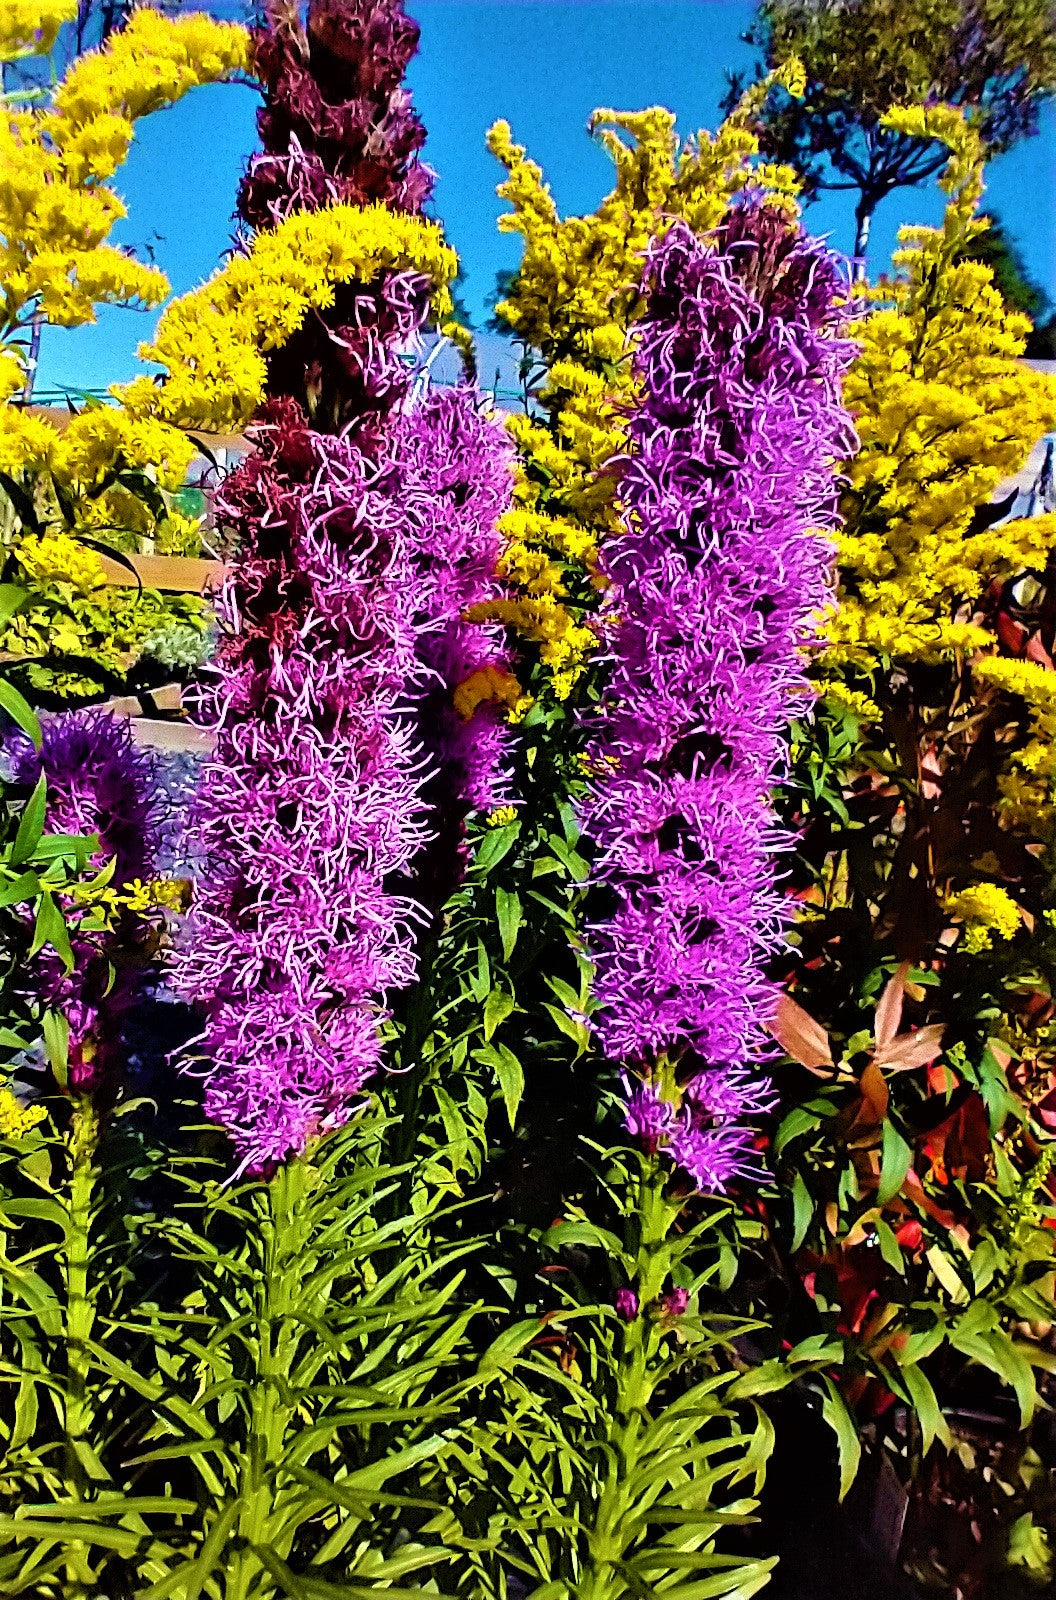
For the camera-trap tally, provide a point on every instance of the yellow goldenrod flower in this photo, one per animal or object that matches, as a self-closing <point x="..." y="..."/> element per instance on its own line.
<point x="987" y="912"/>
<point x="30" y="27"/>
<point x="213" y="342"/>
<point x="16" y="1120"/>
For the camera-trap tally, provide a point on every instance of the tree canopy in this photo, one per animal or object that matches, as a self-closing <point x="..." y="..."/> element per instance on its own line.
<point x="861" y="57"/>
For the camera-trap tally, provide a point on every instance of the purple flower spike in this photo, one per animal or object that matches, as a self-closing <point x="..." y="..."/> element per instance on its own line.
<point x="714" y="586"/>
<point x="338" y="758"/>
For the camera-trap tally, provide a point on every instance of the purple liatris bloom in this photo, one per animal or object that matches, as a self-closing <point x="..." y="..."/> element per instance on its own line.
<point x="626" y="1304"/>
<point x="675" y="1303"/>
<point x="714" y="586"/>
<point x="97" y="783"/>
<point x="337" y="123"/>
<point x="340" y="621"/>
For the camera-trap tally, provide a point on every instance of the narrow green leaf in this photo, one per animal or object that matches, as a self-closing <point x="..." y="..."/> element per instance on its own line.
<point x="508" y="911"/>
<point x="890" y="1250"/>
<point x="56" y="1030"/>
<point x="925" y="1405"/>
<point x="802" y="1210"/>
<point x="12" y="598"/>
<point x="497" y="1008"/>
<point x="25" y="887"/>
<point x="509" y="1075"/>
<point x="21" y="711"/>
<point x="31" y="824"/>
<point x="848" y="1445"/>
<point x="50" y="928"/>
<point x="894" y="1163"/>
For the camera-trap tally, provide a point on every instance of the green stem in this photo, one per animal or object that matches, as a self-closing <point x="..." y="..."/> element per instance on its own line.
<point x="635" y="1383"/>
<point x="80" y="1319"/>
<point x="269" y="1413"/>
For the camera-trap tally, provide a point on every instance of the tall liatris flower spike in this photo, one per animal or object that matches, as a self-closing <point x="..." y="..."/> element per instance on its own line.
<point x="714" y="586"/>
<point x="342" y="619"/>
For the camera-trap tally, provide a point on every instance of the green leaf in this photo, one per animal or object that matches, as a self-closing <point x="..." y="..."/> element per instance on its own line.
<point x="50" y="928"/>
<point x="508" y="910"/>
<point x="800" y="1120"/>
<point x="890" y="1250"/>
<point x="494" y="846"/>
<point x="508" y="1073"/>
<point x="894" y="1163"/>
<point x="497" y="1008"/>
<point x="925" y="1405"/>
<point x="25" y="887"/>
<point x="56" y="1030"/>
<point x="12" y="598"/>
<point x="802" y="1210"/>
<point x="848" y="1444"/>
<point x="20" y="710"/>
<point x="31" y="824"/>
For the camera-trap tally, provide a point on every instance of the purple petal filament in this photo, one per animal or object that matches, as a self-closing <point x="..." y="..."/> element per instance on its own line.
<point x="715" y="583"/>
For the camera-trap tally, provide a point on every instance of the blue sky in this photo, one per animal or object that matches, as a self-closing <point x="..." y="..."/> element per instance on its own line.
<point x="544" y="65"/>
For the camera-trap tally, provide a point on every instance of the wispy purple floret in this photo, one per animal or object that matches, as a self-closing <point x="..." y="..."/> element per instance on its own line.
<point x="316" y="810"/>
<point x="715" y="583"/>
<point x="98" y="782"/>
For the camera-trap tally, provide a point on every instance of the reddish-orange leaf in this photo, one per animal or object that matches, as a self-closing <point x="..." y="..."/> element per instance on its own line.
<point x="889" y="1007"/>
<point x="801" y="1037"/>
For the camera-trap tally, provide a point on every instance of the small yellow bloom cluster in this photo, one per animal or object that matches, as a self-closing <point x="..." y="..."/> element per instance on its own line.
<point x="945" y="411"/>
<point x="16" y="1120"/>
<point x="852" y="700"/>
<point x="159" y="894"/>
<point x="576" y="291"/>
<point x="575" y="300"/>
<point x="56" y="561"/>
<point x="213" y="341"/>
<point x="988" y="912"/>
<point x="31" y="27"/>
<point x="1028" y="787"/>
<point x="56" y="210"/>
<point x="501" y="816"/>
<point x="490" y="685"/>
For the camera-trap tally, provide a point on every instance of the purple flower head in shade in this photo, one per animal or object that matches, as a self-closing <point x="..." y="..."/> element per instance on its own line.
<point x="317" y="811"/>
<point x="714" y="585"/>
<point x="97" y="783"/>
<point x="626" y="1304"/>
<point x="674" y="1304"/>
<point x="649" y="1118"/>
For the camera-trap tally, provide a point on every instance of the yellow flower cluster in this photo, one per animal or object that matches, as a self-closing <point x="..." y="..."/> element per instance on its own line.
<point x="55" y="561"/>
<point x="944" y="412"/>
<point x="30" y="27"/>
<point x="1028" y="787"/>
<point x="16" y="1120"/>
<point x="490" y="686"/>
<point x="575" y="300"/>
<point x="987" y="911"/>
<point x="213" y="341"/>
<point x="78" y="458"/>
<point x="56" y="210"/>
<point x="576" y="291"/>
